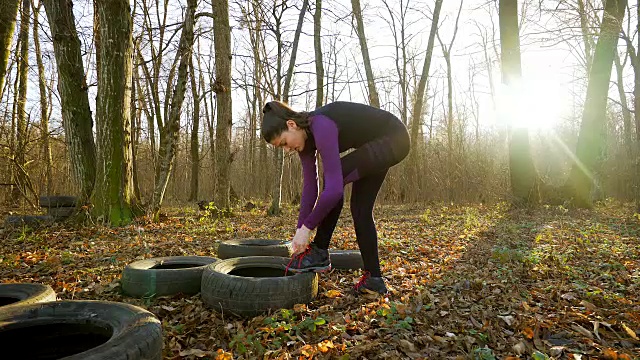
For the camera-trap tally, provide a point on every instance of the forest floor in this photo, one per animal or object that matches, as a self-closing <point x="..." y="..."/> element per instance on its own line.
<point x="467" y="282"/>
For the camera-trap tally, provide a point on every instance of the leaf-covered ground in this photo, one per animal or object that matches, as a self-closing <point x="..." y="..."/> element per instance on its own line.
<point x="468" y="282"/>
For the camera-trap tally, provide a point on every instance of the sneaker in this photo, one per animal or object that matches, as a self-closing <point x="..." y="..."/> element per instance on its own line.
<point x="312" y="259"/>
<point x="370" y="285"/>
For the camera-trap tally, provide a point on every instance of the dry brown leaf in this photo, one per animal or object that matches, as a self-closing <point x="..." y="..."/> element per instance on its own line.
<point x="223" y="355"/>
<point x="528" y="333"/>
<point x="582" y="330"/>
<point x="195" y="352"/>
<point x="609" y="354"/>
<point x="630" y="331"/>
<point x="332" y="294"/>
<point x="325" y="346"/>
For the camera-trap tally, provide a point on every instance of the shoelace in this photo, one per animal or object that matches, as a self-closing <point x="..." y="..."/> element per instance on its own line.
<point x="299" y="256"/>
<point x="363" y="279"/>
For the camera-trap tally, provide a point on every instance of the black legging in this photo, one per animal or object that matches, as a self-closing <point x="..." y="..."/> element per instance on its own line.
<point x="366" y="168"/>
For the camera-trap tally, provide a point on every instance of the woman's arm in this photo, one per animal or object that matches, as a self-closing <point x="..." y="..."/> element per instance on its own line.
<point x="309" y="185"/>
<point x="325" y="133"/>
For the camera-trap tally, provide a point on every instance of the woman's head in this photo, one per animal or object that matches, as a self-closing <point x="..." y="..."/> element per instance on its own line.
<point x="284" y="127"/>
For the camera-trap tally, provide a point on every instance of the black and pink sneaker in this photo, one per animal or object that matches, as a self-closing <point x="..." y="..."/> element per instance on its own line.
<point x="313" y="259"/>
<point x="370" y="285"/>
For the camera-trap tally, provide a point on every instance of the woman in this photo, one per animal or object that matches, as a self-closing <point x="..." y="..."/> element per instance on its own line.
<point x="380" y="141"/>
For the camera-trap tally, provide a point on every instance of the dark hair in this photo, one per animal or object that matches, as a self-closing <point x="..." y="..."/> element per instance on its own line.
<point x="275" y="117"/>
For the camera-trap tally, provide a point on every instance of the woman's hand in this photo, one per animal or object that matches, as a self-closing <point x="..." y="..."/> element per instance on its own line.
<point x="300" y="240"/>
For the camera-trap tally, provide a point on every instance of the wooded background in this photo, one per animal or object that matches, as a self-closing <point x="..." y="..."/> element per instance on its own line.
<point x="133" y="104"/>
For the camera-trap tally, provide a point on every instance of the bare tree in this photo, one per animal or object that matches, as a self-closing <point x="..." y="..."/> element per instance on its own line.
<point x="194" y="143"/>
<point x="277" y="189"/>
<point x="524" y="178"/>
<point x="416" y="118"/>
<point x="8" y="15"/>
<point x="590" y="141"/>
<point x="21" y="100"/>
<point x="170" y="131"/>
<point x="373" y="93"/>
<point x="44" y="103"/>
<point x="222" y="88"/>
<point x="400" y="43"/>
<point x="317" y="45"/>
<point x="76" y="115"/>
<point x="446" y="50"/>
<point x="114" y="198"/>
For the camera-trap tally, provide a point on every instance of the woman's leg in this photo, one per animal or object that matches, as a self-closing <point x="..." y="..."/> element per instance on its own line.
<point x="369" y="160"/>
<point x="327" y="226"/>
<point x="363" y="198"/>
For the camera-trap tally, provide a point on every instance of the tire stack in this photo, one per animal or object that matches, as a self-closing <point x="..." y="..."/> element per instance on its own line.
<point x="59" y="207"/>
<point x="33" y="325"/>
<point x="251" y="278"/>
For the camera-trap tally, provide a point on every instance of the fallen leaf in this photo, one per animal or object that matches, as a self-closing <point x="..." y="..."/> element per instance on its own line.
<point x="629" y="331"/>
<point x="528" y="333"/>
<point x="589" y="306"/>
<point x="332" y="294"/>
<point x="223" y="355"/>
<point x="508" y="319"/>
<point x="325" y="346"/>
<point x="596" y="326"/>
<point x="196" y="352"/>
<point x="609" y="354"/>
<point x="568" y="296"/>
<point x="520" y="348"/>
<point x="582" y="330"/>
<point x="407" y="345"/>
<point x="299" y="308"/>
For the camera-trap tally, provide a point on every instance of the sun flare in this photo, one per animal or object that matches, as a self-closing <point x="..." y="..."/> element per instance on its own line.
<point x="536" y="104"/>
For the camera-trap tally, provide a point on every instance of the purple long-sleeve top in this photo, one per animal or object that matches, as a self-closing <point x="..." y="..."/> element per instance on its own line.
<point x="325" y="135"/>
<point x="334" y="128"/>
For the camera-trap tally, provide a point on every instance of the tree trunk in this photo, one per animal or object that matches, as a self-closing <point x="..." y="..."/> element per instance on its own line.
<point x="8" y="15"/>
<point x="21" y="115"/>
<point x="222" y="88"/>
<point x="76" y="115"/>
<point x="114" y="199"/>
<point x="195" y="144"/>
<point x="416" y="120"/>
<point x="451" y="165"/>
<point x="136" y="127"/>
<point x="279" y="160"/>
<point x="586" y="34"/>
<point x="44" y="105"/>
<point x="373" y="93"/>
<point x="626" y="114"/>
<point x="317" y="45"/>
<point x="593" y="127"/>
<point x="170" y="132"/>
<point x="522" y="171"/>
<point x="294" y="52"/>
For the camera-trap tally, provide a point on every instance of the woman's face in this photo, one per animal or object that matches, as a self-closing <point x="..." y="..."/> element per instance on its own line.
<point x="291" y="139"/>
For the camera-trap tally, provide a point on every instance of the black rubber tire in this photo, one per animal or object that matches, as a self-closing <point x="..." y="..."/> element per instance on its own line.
<point x="61" y="212"/>
<point x="252" y="296"/>
<point x="346" y="259"/>
<point x="253" y="247"/>
<point x="143" y="279"/>
<point x="29" y="220"/>
<point x="75" y="330"/>
<point x="24" y="294"/>
<point x="58" y="201"/>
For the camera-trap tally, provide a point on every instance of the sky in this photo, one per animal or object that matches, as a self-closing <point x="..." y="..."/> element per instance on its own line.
<point x="550" y="68"/>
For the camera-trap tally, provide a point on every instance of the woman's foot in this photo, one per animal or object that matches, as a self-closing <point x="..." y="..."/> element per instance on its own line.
<point x="312" y="259"/>
<point x="370" y="285"/>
